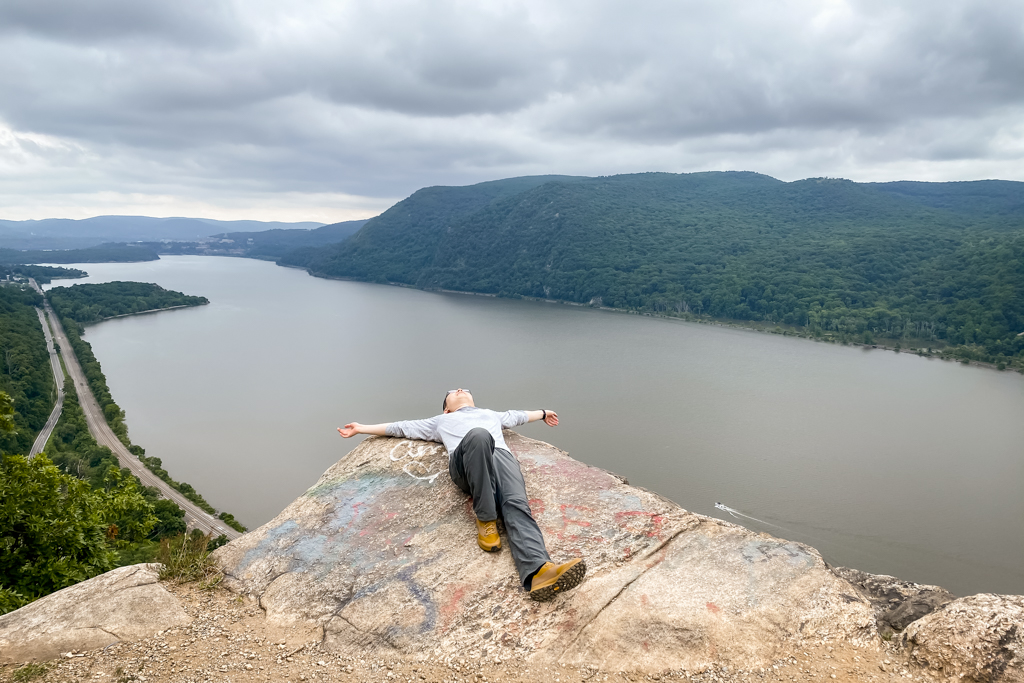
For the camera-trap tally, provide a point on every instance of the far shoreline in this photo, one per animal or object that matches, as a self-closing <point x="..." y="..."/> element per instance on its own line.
<point x="748" y="325"/>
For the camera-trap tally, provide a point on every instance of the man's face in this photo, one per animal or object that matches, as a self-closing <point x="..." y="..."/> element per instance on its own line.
<point x="459" y="398"/>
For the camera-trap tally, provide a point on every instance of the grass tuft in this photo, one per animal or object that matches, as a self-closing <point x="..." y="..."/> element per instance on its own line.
<point x="30" y="672"/>
<point x="186" y="559"/>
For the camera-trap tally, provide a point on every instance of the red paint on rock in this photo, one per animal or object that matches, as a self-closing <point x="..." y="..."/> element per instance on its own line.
<point x="450" y="608"/>
<point x="641" y="522"/>
<point x="571" y="519"/>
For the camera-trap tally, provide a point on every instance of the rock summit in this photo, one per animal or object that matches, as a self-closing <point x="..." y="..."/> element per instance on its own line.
<point x="381" y="554"/>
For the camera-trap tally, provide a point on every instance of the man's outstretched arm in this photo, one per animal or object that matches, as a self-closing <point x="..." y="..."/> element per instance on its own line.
<point x="424" y="430"/>
<point x="353" y="428"/>
<point x="550" y="417"/>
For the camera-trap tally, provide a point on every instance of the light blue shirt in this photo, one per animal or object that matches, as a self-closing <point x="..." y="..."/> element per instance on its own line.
<point x="449" y="428"/>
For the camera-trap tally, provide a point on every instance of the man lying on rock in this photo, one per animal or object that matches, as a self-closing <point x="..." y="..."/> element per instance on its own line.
<point x="481" y="464"/>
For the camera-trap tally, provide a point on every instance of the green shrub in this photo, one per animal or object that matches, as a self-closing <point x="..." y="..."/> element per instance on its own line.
<point x="230" y="520"/>
<point x="57" y="530"/>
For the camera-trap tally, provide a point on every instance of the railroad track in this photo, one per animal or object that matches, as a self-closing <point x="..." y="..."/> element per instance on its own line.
<point x="195" y="517"/>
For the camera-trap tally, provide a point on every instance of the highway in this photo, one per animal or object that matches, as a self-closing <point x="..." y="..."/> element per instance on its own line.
<point x="58" y="378"/>
<point x="195" y="518"/>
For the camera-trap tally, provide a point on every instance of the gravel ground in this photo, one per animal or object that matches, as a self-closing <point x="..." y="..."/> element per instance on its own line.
<point x="229" y="641"/>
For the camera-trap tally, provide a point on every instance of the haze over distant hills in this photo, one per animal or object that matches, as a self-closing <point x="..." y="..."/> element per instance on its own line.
<point x="65" y="233"/>
<point x="271" y="244"/>
<point x="928" y="261"/>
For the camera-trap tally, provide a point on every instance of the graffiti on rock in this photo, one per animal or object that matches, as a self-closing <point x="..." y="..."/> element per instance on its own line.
<point x="411" y="454"/>
<point x="763" y="550"/>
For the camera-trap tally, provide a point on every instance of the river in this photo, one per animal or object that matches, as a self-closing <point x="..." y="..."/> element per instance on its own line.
<point x="886" y="462"/>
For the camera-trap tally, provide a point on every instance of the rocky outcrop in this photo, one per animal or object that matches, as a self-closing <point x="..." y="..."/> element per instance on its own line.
<point x="978" y="638"/>
<point x="127" y="603"/>
<point x="896" y="603"/>
<point x="380" y="554"/>
<point x="379" y="561"/>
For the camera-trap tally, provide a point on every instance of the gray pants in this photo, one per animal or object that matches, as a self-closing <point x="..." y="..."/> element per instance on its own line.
<point x="492" y="476"/>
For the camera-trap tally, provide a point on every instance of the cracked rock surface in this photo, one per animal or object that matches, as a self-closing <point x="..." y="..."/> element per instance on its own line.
<point x="127" y="603"/>
<point x="896" y="603"/>
<point x="380" y="558"/>
<point x="978" y="638"/>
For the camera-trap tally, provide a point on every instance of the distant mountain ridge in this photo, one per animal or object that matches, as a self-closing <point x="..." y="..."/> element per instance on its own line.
<point x="272" y="244"/>
<point x="936" y="261"/>
<point x="66" y="233"/>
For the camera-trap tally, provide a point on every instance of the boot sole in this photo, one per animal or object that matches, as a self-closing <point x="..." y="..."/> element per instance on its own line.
<point x="489" y="550"/>
<point x="572" y="577"/>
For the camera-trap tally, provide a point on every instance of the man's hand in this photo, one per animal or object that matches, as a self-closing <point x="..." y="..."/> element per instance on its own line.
<point x="353" y="428"/>
<point x="349" y="430"/>
<point x="551" y="417"/>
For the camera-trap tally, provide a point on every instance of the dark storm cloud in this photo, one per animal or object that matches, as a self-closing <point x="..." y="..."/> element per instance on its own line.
<point x="93" y="21"/>
<point x="378" y="99"/>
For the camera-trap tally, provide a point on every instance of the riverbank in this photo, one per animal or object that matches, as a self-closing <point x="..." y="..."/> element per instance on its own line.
<point x="151" y="310"/>
<point x="927" y="348"/>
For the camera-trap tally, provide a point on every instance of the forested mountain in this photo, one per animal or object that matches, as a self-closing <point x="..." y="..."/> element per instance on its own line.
<point x="412" y="229"/>
<point x="979" y="198"/>
<point x="930" y="261"/>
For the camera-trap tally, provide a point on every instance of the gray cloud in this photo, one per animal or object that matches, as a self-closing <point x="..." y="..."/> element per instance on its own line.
<point x="195" y="22"/>
<point x="213" y="101"/>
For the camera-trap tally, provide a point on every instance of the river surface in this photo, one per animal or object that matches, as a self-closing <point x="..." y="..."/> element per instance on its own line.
<point x="886" y="462"/>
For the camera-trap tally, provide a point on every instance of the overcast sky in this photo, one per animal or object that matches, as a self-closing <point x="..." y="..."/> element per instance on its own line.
<point x="332" y="110"/>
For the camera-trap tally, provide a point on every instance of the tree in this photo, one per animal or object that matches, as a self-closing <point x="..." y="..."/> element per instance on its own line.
<point x="171" y="519"/>
<point x="6" y="414"/>
<point x="56" y="530"/>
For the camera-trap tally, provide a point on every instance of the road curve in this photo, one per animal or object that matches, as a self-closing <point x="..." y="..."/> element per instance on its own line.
<point x="195" y="517"/>
<point x="58" y="377"/>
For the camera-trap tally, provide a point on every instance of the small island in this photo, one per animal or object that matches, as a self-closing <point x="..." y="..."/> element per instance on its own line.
<point x="92" y="303"/>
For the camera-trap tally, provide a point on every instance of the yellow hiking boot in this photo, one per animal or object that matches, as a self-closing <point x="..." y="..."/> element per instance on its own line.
<point x="550" y="580"/>
<point x="487" y="536"/>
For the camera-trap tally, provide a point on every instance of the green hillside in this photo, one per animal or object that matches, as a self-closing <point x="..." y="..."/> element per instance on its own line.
<point x="410" y="231"/>
<point x="930" y="262"/>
